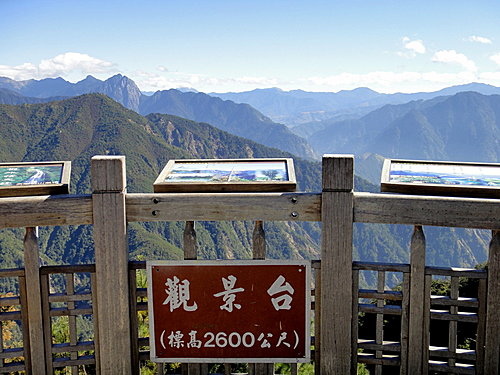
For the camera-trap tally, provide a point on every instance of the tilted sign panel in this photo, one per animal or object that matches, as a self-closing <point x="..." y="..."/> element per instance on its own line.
<point x="254" y="311"/>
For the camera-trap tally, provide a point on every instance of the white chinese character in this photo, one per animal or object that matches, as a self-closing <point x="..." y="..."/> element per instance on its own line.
<point x="193" y="343"/>
<point x="178" y="295"/>
<point x="228" y="295"/>
<point x="175" y="339"/>
<point x="284" y="301"/>
<point x="265" y="343"/>
<point x="281" y="340"/>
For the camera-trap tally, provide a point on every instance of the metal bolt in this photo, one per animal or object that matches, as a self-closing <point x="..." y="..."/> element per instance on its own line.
<point x="294" y="200"/>
<point x="294" y="214"/>
<point x="156" y="200"/>
<point x="154" y="213"/>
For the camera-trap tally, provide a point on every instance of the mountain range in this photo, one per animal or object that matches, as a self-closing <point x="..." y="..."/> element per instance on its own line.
<point x="77" y="128"/>
<point x="298" y="107"/>
<point x="455" y="127"/>
<point x="239" y="119"/>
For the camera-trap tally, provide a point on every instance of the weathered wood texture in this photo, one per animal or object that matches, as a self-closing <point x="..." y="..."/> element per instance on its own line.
<point x="224" y="206"/>
<point x="111" y="255"/>
<point x="21" y="212"/>
<point x="492" y="344"/>
<point x="34" y="301"/>
<point x="191" y="253"/>
<point x="423" y="210"/>
<point x="416" y="344"/>
<point x="336" y="264"/>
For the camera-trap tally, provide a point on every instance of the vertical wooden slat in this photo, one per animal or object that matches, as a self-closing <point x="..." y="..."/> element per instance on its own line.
<point x="355" y="321"/>
<point x="1" y="345"/>
<point x="73" y="337"/>
<point x="404" y="324"/>
<point x="417" y="281"/>
<point x="95" y="321"/>
<point x="481" y="326"/>
<point x="47" y="323"/>
<point x="34" y="299"/>
<point x="379" y="325"/>
<point x="452" y="330"/>
<point x="426" y="324"/>
<point x="259" y="252"/>
<point x="111" y="258"/>
<point x="191" y="252"/>
<point x="317" y="321"/>
<point x="336" y="263"/>
<point x="25" y="324"/>
<point x="134" y="329"/>
<point x="492" y="340"/>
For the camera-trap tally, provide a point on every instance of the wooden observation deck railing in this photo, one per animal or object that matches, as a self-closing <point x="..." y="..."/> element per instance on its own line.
<point x="110" y="294"/>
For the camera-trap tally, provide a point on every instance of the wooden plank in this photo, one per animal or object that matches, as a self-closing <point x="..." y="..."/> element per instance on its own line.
<point x="34" y="300"/>
<point x="425" y="210"/>
<point x="224" y="206"/>
<point x="492" y="342"/>
<point x="18" y="212"/>
<point x="336" y="263"/>
<point x="417" y="283"/>
<point x="111" y="258"/>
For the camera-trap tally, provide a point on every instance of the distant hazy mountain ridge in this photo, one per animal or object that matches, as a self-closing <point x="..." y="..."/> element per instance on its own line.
<point x="238" y="119"/>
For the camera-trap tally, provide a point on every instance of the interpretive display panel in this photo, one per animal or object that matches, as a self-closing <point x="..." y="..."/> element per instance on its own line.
<point x="233" y="311"/>
<point x="226" y="175"/>
<point x="441" y="178"/>
<point x="17" y="179"/>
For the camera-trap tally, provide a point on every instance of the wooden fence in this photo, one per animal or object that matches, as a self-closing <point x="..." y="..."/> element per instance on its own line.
<point x="106" y="297"/>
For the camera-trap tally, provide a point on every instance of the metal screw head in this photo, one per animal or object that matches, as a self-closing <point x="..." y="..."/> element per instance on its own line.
<point x="154" y="213"/>
<point x="294" y="214"/>
<point x="156" y="200"/>
<point x="293" y="200"/>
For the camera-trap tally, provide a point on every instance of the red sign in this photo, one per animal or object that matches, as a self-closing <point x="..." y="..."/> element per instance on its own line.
<point x="246" y="311"/>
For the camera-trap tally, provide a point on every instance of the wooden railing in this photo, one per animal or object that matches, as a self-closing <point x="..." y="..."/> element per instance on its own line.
<point x="105" y="295"/>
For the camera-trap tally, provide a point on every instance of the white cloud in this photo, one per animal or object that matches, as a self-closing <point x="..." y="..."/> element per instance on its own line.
<point x="479" y="39"/>
<point x="495" y="58"/>
<point x="59" y="66"/>
<point x="453" y="57"/>
<point x="413" y="47"/>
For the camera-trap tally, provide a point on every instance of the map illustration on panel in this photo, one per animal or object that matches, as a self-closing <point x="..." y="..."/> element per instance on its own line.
<point x="228" y="172"/>
<point x="19" y="175"/>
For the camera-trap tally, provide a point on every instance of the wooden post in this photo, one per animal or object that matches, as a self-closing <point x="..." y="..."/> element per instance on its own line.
<point x="34" y="300"/>
<point x="111" y="258"/>
<point x="492" y="340"/>
<point x="416" y="344"/>
<point x="336" y="264"/>
<point x="259" y="252"/>
<point x="191" y="253"/>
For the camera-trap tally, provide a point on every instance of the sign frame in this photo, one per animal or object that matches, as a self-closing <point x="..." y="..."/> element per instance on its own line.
<point x="307" y="324"/>
<point x="162" y="185"/>
<point x="26" y="189"/>
<point x="443" y="178"/>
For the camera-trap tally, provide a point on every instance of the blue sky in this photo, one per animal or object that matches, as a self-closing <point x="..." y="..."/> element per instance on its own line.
<point x="221" y="46"/>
